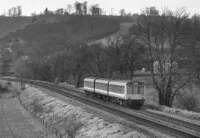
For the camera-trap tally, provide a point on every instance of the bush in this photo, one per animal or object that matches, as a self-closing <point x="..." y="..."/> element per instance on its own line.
<point x="3" y="88"/>
<point x="23" y="84"/>
<point x="9" y="83"/>
<point x="36" y="107"/>
<point x="187" y="99"/>
<point x="71" y="126"/>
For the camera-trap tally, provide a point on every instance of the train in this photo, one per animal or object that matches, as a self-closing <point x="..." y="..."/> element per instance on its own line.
<point x="124" y="92"/>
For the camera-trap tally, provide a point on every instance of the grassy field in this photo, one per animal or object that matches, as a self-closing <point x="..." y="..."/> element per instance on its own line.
<point x="11" y="24"/>
<point x="124" y="28"/>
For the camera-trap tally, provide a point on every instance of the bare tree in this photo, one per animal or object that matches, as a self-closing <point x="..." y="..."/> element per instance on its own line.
<point x="95" y="10"/>
<point x="151" y="11"/>
<point x="78" y="7"/>
<point x="163" y="35"/>
<point x="14" y="11"/>
<point x="19" y="11"/>
<point x="85" y="7"/>
<point x="100" y="63"/>
<point x="59" y="11"/>
<point x="132" y="55"/>
<point x="122" y="12"/>
<point x="10" y="12"/>
<point x="69" y="8"/>
<point x="46" y="11"/>
<point x="187" y="98"/>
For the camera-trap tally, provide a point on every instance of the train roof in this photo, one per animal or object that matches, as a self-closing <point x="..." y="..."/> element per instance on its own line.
<point x="101" y="80"/>
<point x="124" y="81"/>
<point x="104" y="80"/>
<point x="89" y="78"/>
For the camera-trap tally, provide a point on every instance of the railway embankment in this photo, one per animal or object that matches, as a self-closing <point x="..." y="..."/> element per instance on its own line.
<point x="65" y="119"/>
<point x="15" y="122"/>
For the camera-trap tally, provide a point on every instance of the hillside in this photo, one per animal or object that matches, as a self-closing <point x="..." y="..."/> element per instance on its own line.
<point x="124" y="28"/>
<point x="55" y="34"/>
<point x="11" y="24"/>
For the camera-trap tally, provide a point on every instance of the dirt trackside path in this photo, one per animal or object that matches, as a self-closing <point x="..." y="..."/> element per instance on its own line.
<point x="15" y="123"/>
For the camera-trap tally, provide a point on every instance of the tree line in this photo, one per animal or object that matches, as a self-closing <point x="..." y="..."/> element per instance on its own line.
<point x="79" y="8"/>
<point x="15" y="11"/>
<point x="119" y="59"/>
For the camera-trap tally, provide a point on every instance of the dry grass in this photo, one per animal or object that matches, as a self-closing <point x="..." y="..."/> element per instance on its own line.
<point x="5" y="86"/>
<point x="124" y="27"/>
<point x="188" y="98"/>
<point x="71" y="126"/>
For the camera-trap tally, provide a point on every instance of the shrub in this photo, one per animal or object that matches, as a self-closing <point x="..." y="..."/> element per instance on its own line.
<point x="3" y="87"/>
<point x="71" y="126"/>
<point x="9" y="83"/>
<point x="36" y="107"/>
<point x="49" y="110"/>
<point x="187" y="99"/>
<point x="23" y="84"/>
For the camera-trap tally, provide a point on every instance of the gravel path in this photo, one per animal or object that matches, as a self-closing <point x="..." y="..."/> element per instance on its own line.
<point x="15" y="122"/>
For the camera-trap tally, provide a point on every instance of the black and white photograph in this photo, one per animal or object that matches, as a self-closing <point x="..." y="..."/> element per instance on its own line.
<point x="99" y="69"/>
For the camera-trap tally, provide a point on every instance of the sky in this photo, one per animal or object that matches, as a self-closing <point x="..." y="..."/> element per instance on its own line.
<point x="133" y="6"/>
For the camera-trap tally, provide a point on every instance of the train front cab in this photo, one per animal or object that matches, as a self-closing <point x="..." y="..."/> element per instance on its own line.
<point x="136" y="93"/>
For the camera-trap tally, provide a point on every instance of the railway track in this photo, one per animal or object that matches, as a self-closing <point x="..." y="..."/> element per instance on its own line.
<point x="179" y="122"/>
<point x="164" y="124"/>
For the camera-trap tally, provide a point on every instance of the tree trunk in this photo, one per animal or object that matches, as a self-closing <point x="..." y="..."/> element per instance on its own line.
<point x="165" y="97"/>
<point x="161" y="97"/>
<point x="131" y="75"/>
<point x="78" y="82"/>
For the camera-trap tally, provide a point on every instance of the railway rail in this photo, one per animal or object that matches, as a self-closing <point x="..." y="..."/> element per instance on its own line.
<point x="176" y="128"/>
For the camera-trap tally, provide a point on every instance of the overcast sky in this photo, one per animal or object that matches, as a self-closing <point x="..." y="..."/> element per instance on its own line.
<point x="133" y="6"/>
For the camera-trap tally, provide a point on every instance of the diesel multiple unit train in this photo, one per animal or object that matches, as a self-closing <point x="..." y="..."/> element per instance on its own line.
<point x="124" y="92"/>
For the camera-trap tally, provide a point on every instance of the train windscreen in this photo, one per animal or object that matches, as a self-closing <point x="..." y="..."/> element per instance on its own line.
<point x="135" y="88"/>
<point x="141" y="89"/>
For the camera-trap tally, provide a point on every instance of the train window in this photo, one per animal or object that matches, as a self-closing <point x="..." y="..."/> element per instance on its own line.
<point x="101" y="86"/>
<point x="116" y="89"/>
<point x="140" y="89"/>
<point x="135" y="88"/>
<point x="88" y="84"/>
